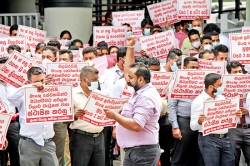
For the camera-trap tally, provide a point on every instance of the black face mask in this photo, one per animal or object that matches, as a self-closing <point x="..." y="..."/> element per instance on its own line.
<point x="135" y="86"/>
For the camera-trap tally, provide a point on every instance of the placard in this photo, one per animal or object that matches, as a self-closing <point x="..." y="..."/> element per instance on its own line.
<point x="220" y="114"/>
<point x="4" y="30"/>
<point x="191" y="9"/>
<point x="52" y="104"/>
<point x="161" y="80"/>
<point x="188" y="84"/>
<point x="101" y="64"/>
<point x="33" y="36"/>
<point x="77" y="56"/>
<point x="219" y="66"/>
<point x="6" y="41"/>
<point x="2" y="107"/>
<point x="134" y="18"/>
<point x="240" y="47"/>
<point x="14" y="71"/>
<point x="245" y="30"/>
<point x="94" y="113"/>
<point x="113" y="36"/>
<point x="128" y="91"/>
<point x="159" y="45"/>
<point x="65" y="73"/>
<point x="4" y="125"/>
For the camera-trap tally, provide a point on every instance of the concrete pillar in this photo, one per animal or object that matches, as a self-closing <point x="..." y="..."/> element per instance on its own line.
<point x="247" y="22"/>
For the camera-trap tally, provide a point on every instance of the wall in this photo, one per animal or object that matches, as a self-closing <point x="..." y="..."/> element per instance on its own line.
<point x="20" y="6"/>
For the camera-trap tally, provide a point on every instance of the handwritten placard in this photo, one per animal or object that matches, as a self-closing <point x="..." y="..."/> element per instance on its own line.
<point x="4" y="125"/>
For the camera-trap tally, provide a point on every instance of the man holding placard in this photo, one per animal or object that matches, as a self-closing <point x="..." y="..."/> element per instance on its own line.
<point x="215" y="147"/>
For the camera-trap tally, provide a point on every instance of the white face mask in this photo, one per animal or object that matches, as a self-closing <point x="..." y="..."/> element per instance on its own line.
<point x="90" y="62"/>
<point x="38" y="56"/>
<point x="63" y="62"/>
<point x="198" y="29"/>
<point x="45" y="61"/>
<point x="196" y="44"/>
<point x="208" y="47"/>
<point x="28" y="54"/>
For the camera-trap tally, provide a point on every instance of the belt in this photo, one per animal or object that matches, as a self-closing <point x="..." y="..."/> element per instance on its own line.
<point x="245" y="126"/>
<point x="94" y="135"/>
<point x="142" y="147"/>
<point x="218" y="135"/>
<point x="31" y="140"/>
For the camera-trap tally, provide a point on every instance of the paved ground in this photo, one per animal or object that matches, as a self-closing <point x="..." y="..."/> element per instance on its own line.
<point x="117" y="162"/>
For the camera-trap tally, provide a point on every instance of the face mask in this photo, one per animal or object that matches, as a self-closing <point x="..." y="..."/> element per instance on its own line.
<point x="146" y="32"/>
<point x="196" y="44"/>
<point x="135" y="86"/>
<point x="174" y="67"/>
<point x="67" y="42"/>
<point x="63" y="62"/>
<point x="28" y="54"/>
<point x="198" y="29"/>
<point x="218" y="91"/>
<point x="93" y="85"/>
<point x="45" y="61"/>
<point x="208" y="47"/>
<point x="129" y="33"/>
<point x="189" y="27"/>
<point x="39" y="56"/>
<point x="215" y="44"/>
<point x="90" y="62"/>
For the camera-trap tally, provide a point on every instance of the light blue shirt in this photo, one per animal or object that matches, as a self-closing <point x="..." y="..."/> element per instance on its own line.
<point x="3" y="95"/>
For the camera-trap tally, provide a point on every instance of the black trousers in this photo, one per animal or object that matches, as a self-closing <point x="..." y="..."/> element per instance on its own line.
<point x="109" y="142"/>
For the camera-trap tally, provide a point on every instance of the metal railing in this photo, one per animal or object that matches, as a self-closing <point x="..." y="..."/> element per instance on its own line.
<point x="27" y="19"/>
<point x="234" y="30"/>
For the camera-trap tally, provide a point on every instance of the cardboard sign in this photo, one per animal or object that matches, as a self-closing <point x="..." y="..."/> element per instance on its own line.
<point x="101" y="64"/>
<point x="188" y="84"/>
<point x="191" y="9"/>
<point x="94" y="113"/>
<point x="113" y="36"/>
<point x="36" y="60"/>
<point x="4" y="125"/>
<point x="163" y="12"/>
<point x="65" y="73"/>
<point x="245" y="30"/>
<point x="6" y="41"/>
<point x="159" y="45"/>
<point x="137" y="45"/>
<point x="14" y="71"/>
<point x="52" y="104"/>
<point x="220" y="114"/>
<point x="219" y="66"/>
<point x="2" y="107"/>
<point x="240" y="47"/>
<point x="4" y="30"/>
<point x="77" y="56"/>
<point x="111" y="60"/>
<point x="161" y="80"/>
<point x="128" y="91"/>
<point x="134" y="18"/>
<point x="33" y="36"/>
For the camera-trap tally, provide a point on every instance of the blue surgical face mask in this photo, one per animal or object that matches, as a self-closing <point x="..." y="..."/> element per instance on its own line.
<point x="129" y="33"/>
<point x="215" y="44"/>
<point x="190" y="27"/>
<point x="93" y="85"/>
<point x="174" y="67"/>
<point x="146" y="32"/>
<point x="28" y="54"/>
<point x="218" y="91"/>
<point x="67" y="42"/>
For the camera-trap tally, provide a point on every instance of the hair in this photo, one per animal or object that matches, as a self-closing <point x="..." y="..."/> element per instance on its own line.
<point x="193" y="32"/>
<point x="54" y="43"/>
<point x="213" y="34"/>
<point x="204" y="52"/>
<point x="13" y="27"/>
<point x="110" y="48"/>
<point x="142" y="71"/>
<point x="51" y="48"/>
<point x="14" y="47"/>
<point x="104" y="48"/>
<point x="205" y="37"/>
<point x="155" y="26"/>
<point x="220" y="48"/>
<point x="89" y="50"/>
<point x="87" y="71"/>
<point x="159" y="31"/>
<point x="210" y="28"/>
<point x="76" y="41"/>
<point x="146" y="21"/>
<point x="73" y="47"/>
<point x="189" y="59"/>
<point x="102" y="44"/>
<point x="126" y="24"/>
<point x="3" y="60"/>
<point x="142" y="59"/>
<point x="107" y="15"/>
<point x="65" y="32"/>
<point x="65" y="51"/>
<point x="211" y="78"/>
<point x="153" y="61"/>
<point x="177" y="24"/>
<point x="40" y="45"/>
<point x="183" y="22"/>
<point x="179" y="60"/>
<point x="121" y="53"/>
<point x="171" y="55"/>
<point x="34" y="71"/>
<point x="177" y="51"/>
<point x="233" y="64"/>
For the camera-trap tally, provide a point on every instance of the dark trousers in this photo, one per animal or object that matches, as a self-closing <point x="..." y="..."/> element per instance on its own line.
<point x="216" y="151"/>
<point x="142" y="157"/>
<point x="3" y="158"/>
<point x="166" y="141"/>
<point x="186" y="151"/>
<point x="86" y="150"/>
<point x="109" y="142"/>
<point x="240" y="139"/>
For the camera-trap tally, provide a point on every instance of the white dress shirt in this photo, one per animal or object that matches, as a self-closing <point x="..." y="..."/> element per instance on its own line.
<point x="108" y="79"/>
<point x="197" y="109"/>
<point x="37" y="132"/>
<point x="224" y="40"/>
<point x="3" y="95"/>
<point x="118" y="89"/>
<point x="247" y="117"/>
